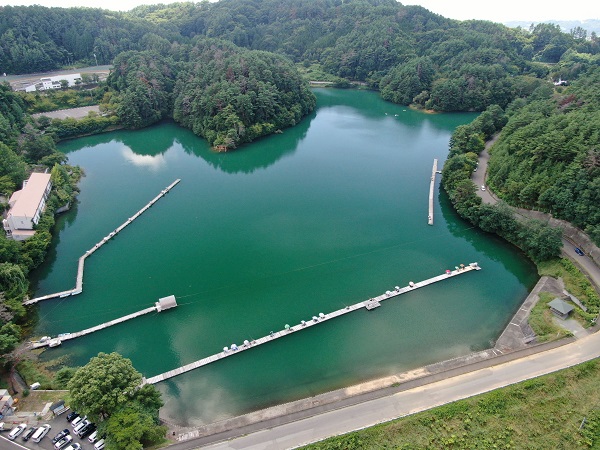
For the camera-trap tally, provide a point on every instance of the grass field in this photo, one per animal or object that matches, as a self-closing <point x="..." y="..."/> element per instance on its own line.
<point x="542" y="413"/>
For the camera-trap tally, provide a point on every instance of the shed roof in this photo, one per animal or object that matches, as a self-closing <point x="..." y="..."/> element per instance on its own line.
<point x="31" y="195"/>
<point x="560" y="306"/>
<point x="166" y="303"/>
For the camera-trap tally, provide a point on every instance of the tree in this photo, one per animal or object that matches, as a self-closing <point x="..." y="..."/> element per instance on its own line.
<point x="132" y="429"/>
<point x="108" y="390"/>
<point x="63" y="376"/>
<point x="104" y="385"/>
<point x="10" y="334"/>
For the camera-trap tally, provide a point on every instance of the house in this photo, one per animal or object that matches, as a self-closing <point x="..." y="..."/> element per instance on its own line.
<point x="48" y="83"/>
<point x="560" y="308"/>
<point x="27" y="206"/>
<point x="6" y="403"/>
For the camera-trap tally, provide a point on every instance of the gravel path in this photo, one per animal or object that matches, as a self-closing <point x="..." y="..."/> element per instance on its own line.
<point x="75" y="113"/>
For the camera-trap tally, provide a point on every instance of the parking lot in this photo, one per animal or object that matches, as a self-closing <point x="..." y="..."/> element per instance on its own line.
<point x="58" y="424"/>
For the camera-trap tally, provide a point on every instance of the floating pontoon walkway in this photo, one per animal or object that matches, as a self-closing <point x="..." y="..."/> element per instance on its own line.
<point x="162" y="304"/>
<point x="369" y="304"/>
<point x="431" y="190"/>
<point x="79" y="284"/>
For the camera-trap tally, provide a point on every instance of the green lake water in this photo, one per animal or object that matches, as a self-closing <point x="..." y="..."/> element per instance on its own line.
<point x="329" y="213"/>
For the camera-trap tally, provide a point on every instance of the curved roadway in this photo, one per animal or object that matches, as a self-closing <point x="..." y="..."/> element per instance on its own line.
<point x="411" y="401"/>
<point x="585" y="263"/>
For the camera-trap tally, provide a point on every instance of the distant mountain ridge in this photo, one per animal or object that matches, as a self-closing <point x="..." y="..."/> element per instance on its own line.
<point x="591" y="25"/>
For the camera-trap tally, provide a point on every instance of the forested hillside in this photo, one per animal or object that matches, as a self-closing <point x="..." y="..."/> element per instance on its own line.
<point x="22" y="147"/>
<point x="223" y="93"/>
<point x="409" y="53"/>
<point x="36" y="39"/>
<point x="548" y="154"/>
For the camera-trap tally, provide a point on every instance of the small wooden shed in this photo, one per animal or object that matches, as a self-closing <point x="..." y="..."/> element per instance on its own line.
<point x="560" y="308"/>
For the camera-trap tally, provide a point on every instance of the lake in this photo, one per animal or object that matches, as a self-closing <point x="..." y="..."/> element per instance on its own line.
<point x="326" y="214"/>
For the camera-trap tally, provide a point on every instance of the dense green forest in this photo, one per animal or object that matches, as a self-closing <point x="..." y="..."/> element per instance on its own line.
<point x="222" y="92"/>
<point x="22" y="149"/>
<point x="35" y="38"/>
<point x="409" y="53"/>
<point x="537" y="239"/>
<point x="548" y="155"/>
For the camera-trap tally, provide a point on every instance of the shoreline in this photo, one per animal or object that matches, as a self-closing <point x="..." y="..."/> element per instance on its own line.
<point x="512" y="343"/>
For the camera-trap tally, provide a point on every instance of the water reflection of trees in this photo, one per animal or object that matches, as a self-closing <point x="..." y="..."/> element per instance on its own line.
<point x="150" y="141"/>
<point x="491" y="245"/>
<point x="63" y="221"/>
<point x="372" y="106"/>
<point x="250" y="157"/>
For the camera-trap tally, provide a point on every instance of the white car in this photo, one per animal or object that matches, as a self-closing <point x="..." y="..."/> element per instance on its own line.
<point x="40" y="433"/>
<point x="92" y="437"/>
<point x="482" y="187"/>
<point x="81" y="426"/>
<point x="16" y="431"/>
<point x="74" y="447"/>
<point x="63" y="442"/>
<point x="99" y="445"/>
<point x="77" y="421"/>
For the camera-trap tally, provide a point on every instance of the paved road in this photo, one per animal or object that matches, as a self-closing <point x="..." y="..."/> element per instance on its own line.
<point x="411" y="401"/>
<point x="20" y="81"/>
<point x="479" y="176"/>
<point x="585" y="263"/>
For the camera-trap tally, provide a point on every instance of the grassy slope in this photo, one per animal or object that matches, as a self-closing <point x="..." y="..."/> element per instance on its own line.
<point x="543" y="413"/>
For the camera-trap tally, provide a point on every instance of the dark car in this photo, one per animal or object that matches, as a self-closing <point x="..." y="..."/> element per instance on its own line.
<point x="87" y="430"/>
<point x="28" y="433"/>
<point x="60" y="435"/>
<point x="72" y="416"/>
<point x="579" y="251"/>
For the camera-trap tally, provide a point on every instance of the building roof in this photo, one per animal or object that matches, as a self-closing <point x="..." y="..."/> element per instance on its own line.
<point x="560" y="306"/>
<point x="30" y="196"/>
<point x="166" y="303"/>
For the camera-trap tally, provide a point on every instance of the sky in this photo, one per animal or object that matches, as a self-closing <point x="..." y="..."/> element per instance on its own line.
<point x="497" y="11"/>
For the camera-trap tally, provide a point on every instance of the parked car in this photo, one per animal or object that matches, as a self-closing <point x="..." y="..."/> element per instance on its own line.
<point x="16" y="431"/>
<point x="81" y="426"/>
<point x="93" y="437"/>
<point x="40" y="433"/>
<point x="99" y="445"/>
<point x="77" y="421"/>
<point x="63" y="442"/>
<point x="72" y="416"/>
<point x="482" y="187"/>
<point x="86" y="431"/>
<point x="28" y="433"/>
<point x="579" y="251"/>
<point x="75" y="446"/>
<point x="60" y="435"/>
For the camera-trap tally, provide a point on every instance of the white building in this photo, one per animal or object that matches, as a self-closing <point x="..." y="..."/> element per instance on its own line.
<point x="48" y="83"/>
<point x="27" y="206"/>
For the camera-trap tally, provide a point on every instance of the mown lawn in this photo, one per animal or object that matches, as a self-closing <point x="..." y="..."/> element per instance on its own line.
<point x="543" y="413"/>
